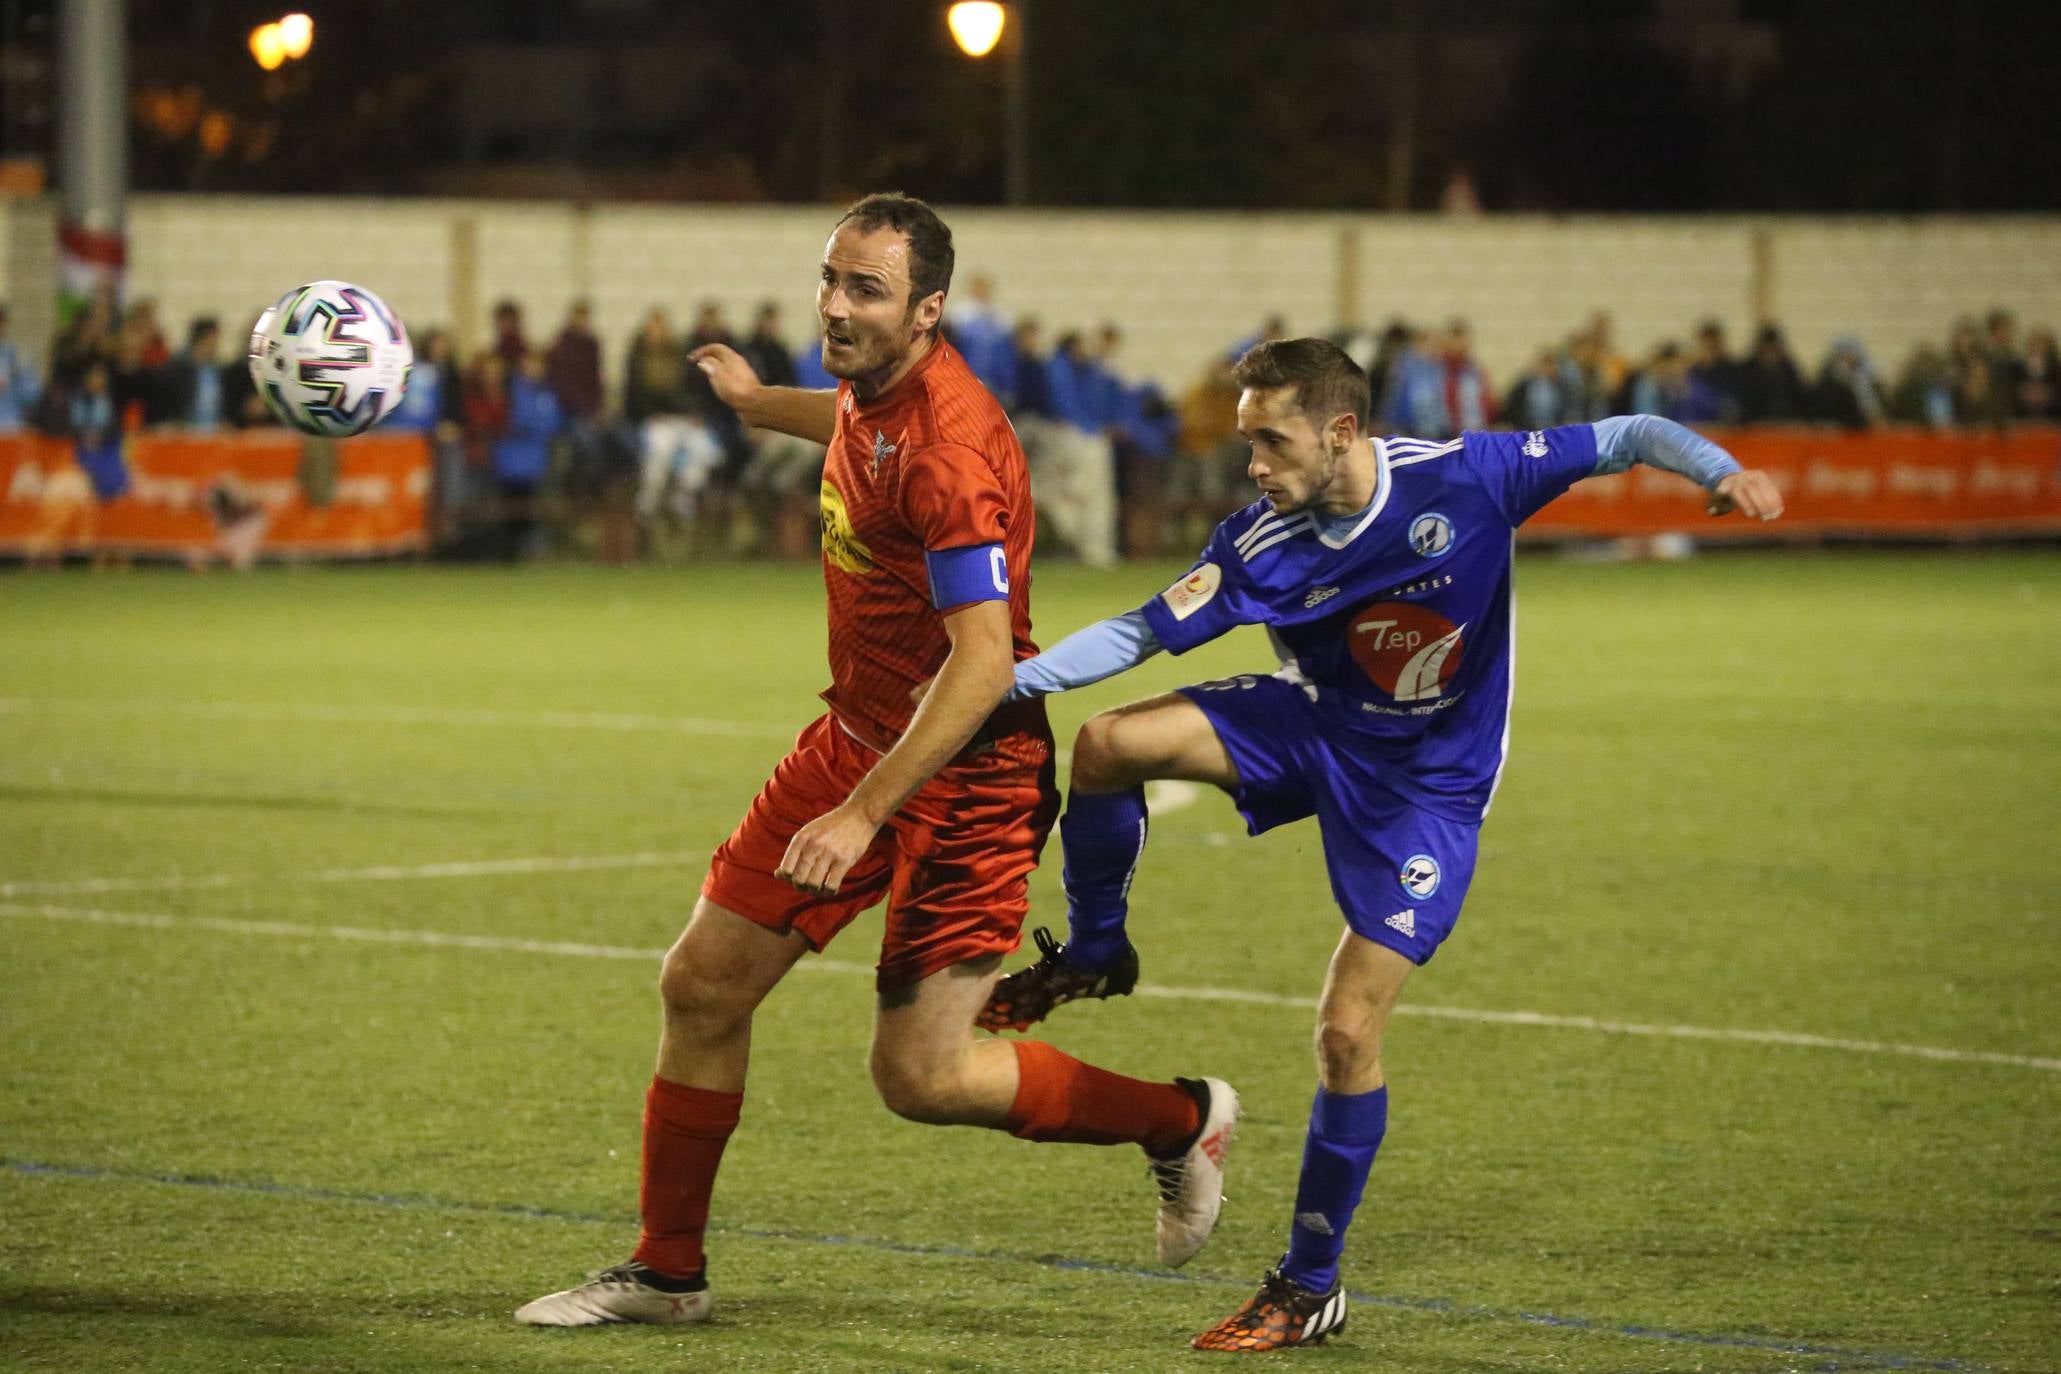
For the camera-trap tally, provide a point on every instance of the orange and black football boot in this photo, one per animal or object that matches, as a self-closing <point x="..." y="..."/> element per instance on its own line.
<point x="1028" y="995"/>
<point x="1282" y="1314"/>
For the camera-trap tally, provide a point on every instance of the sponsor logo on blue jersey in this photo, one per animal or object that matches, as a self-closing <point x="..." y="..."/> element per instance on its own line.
<point x="1409" y="652"/>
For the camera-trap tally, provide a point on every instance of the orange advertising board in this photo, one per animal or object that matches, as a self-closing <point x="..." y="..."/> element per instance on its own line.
<point x="353" y="498"/>
<point x="1890" y="483"/>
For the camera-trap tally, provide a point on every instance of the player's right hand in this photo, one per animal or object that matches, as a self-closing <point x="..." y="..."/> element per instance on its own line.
<point x="727" y="371"/>
<point x="1750" y="492"/>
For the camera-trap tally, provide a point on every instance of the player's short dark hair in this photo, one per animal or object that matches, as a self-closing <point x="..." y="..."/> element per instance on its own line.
<point x="1327" y="381"/>
<point x="931" y="257"/>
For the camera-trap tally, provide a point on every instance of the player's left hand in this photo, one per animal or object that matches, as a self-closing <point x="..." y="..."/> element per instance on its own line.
<point x="825" y="849"/>
<point x="1750" y="492"/>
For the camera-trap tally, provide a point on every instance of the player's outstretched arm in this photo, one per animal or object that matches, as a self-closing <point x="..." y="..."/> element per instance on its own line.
<point x="975" y="677"/>
<point x="1623" y="440"/>
<point x="810" y="415"/>
<point x="1087" y="656"/>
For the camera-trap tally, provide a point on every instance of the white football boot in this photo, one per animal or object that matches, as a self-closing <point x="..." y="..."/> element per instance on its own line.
<point x="621" y="1294"/>
<point x="1191" y="1182"/>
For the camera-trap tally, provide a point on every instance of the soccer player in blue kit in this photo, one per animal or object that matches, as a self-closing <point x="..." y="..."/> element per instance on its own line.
<point x="1381" y="569"/>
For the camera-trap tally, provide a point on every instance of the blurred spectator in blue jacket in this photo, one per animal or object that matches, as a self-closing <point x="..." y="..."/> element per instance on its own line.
<point x="429" y="380"/>
<point x="1714" y="374"/>
<point x="1770" y="383"/>
<point x="522" y="452"/>
<point x="982" y="336"/>
<point x="1847" y="391"/>
<point x="1662" y="386"/>
<point x="96" y="431"/>
<point x="19" y="390"/>
<point x="1033" y="394"/>
<point x="434" y="407"/>
<point x="1110" y="390"/>
<point x="1147" y="434"/>
<point x="1415" y="404"/>
<point x="192" y="387"/>
<point x="1535" y="400"/>
<point x="1390" y="344"/>
<point x="1584" y="391"/>
<point x="1073" y="472"/>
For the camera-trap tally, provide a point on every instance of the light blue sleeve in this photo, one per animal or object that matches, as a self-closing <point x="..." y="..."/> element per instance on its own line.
<point x="1104" y="649"/>
<point x="1623" y="440"/>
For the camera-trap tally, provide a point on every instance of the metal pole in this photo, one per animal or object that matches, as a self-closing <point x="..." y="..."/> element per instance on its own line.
<point x="1016" y="109"/>
<point x="92" y="147"/>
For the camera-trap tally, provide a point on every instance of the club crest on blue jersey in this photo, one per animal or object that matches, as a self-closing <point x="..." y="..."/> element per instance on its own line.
<point x="1431" y="534"/>
<point x="1419" y="876"/>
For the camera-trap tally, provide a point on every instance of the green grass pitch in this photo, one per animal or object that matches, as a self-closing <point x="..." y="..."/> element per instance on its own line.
<point x="326" y="1007"/>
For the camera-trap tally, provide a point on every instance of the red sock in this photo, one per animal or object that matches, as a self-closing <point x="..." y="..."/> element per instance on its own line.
<point x="685" y="1130"/>
<point x="1060" y="1098"/>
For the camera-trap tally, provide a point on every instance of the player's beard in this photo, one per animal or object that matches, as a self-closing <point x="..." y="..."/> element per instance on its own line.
<point x="1321" y="483"/>
<point x="867" y="356"/>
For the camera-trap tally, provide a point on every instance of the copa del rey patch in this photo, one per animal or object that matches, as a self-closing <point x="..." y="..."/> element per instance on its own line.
<point x="1194" y="591"/>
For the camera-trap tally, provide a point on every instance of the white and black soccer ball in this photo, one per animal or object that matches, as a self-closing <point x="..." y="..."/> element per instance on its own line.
<point x="330" y="359"/>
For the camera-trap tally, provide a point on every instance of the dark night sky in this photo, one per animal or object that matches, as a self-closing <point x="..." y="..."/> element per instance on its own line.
<point x="1806" y="105"/>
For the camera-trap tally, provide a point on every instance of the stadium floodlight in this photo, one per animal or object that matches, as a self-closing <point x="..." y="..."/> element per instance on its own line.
<point x="297" y="31"/>
<point x="976" y="27"/>
<point x="268" y="46"/>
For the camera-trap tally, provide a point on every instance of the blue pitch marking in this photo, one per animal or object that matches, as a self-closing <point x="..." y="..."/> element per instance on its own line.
<point x="1831" y="1355"/>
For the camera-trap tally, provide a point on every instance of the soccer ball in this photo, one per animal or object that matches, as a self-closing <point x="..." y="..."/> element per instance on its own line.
<point x="330" y="359"/>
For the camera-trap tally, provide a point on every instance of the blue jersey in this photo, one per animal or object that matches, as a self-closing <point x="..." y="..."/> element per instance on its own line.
<point x="1398" y="627"/>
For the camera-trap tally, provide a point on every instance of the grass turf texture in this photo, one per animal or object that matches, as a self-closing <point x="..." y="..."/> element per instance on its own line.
<point x="1802" y="793"/>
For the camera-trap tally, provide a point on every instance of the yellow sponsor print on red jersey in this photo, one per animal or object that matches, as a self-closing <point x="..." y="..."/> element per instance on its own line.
<point x="841" y="542"/>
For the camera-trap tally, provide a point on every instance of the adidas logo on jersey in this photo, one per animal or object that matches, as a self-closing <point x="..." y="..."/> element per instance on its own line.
<point x="1404" y="921"/>
<point x="1319" y="596"/>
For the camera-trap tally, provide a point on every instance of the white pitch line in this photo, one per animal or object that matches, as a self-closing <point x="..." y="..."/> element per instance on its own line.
<point x="1168" y="795"/>
<point x="454" y="940"/>
<point x="619" y="722"/>
<point x="476" y="868"/>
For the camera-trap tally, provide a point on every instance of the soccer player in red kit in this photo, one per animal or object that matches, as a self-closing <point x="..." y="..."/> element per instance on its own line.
<point x="940" y="807"/>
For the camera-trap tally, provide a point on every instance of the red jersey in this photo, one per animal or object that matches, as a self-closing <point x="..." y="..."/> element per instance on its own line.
<point x="932" y="464"/>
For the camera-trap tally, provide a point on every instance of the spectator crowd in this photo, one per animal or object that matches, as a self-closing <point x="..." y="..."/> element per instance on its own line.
<point x="530" y="439"/>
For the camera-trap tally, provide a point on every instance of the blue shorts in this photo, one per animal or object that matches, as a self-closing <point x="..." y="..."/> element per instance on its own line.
<point x="1398" y="871"/>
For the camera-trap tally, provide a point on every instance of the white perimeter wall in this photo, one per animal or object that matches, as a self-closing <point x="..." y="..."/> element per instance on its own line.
<point x="1183" y="287"/>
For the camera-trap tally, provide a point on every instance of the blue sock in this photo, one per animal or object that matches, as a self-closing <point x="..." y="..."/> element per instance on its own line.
<point x="1345" y="1131"/>
<point x="1102" y="834"/>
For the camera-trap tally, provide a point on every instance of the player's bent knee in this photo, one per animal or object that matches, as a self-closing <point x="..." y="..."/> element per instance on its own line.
<point x="691" y="992"/>
<point x="918" y="1093"/>
<point x="1348" y="1047"/>
<point x="1097" y="762"/>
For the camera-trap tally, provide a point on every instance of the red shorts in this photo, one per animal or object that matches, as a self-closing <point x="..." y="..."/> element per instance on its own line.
<point x="954" y="862"/>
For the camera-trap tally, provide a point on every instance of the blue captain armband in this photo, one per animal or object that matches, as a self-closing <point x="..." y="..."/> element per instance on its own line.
<point x="978" y="572"/>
